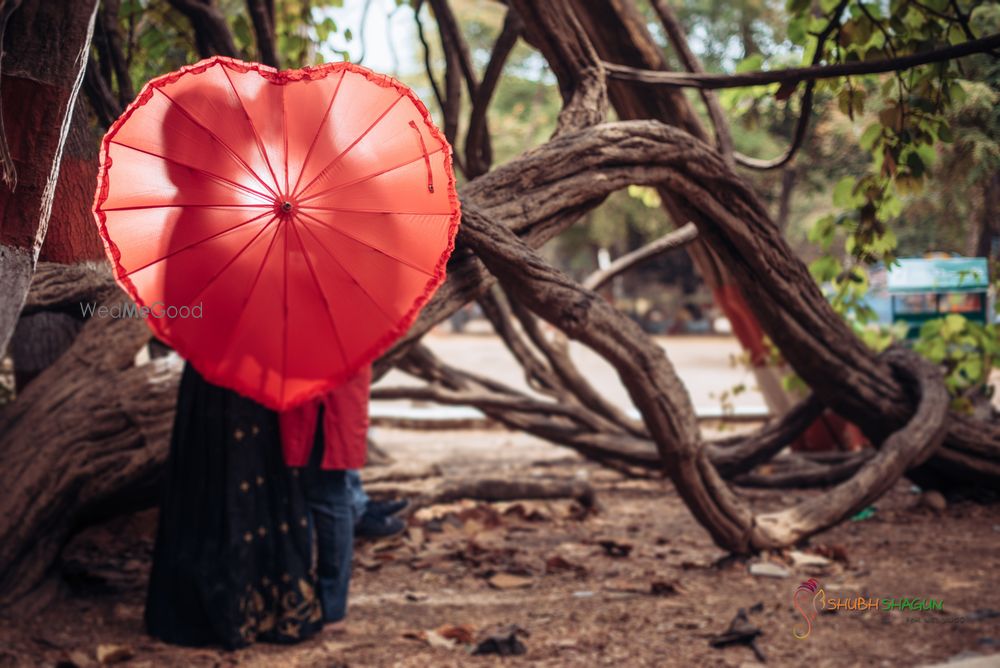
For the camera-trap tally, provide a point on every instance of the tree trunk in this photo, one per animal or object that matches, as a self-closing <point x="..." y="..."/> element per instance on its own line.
<point x="44" y="54"/>
<point x="87" y="438"/>
<point x="72" y="235"/>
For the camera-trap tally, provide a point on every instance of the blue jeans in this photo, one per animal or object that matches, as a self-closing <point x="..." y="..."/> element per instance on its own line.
<point x="332" y="515"/>
<point x="359" y="499"/>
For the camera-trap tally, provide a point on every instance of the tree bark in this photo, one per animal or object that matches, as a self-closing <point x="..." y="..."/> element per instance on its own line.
<point x="263" y="28"/>
<point x="732" y="221"/>
<point x="87" y="438"/>
<point x="211" y="33"/>
<point x="656" y="390"/>
<point x="795" y="75"/>
<point x="44" y="53"/>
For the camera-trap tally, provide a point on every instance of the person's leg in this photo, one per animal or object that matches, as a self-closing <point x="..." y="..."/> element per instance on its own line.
<point x="359" y="499"/>
<point x="332" y="515"/>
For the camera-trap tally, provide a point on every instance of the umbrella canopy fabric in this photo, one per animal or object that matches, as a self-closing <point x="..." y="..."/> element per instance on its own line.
<point x="278" y="229"/>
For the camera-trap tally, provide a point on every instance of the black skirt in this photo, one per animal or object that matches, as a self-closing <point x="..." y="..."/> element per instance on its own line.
<point x="233" y="561"/>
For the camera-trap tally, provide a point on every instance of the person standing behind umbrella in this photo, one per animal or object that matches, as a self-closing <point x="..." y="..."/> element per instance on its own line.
<point x="297" y="212"/>
<point x="327" y="437"/>
<point x="248" y="491"/>
<point x="232" y="562"/>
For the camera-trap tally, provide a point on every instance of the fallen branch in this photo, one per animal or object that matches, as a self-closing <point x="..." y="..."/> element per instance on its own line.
<point x="741" y="453"/>
<point x="499" y="489"/>
<point x="802" y="472"/>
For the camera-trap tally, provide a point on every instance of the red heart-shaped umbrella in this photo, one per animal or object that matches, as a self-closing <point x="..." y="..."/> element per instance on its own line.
<point x="281" y="228"/>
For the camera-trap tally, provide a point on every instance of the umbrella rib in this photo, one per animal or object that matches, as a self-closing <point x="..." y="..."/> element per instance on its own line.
<point x="333" y="257"/>
<point x="284" y="134"/>
<point x="379" y="212"/>
<point x="246" y="301"/>
<point x="367" y="178"/>
<point x="253" y="128"/>
<point x="284" y="319"/>
<point x="366" y="244"/>
<point x="326" y="303"/>
<point x="233" y="259"/>
<point x="217" y="138"/>
<point x="188" y="206"/>
<point x="364" y="134"/>
<point x="319" y="129"/>
<point x="211" y="175"/>
<point x="195" y="243"/>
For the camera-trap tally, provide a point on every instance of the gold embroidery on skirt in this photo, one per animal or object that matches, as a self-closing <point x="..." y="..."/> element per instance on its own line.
<point x="285" y="612"/>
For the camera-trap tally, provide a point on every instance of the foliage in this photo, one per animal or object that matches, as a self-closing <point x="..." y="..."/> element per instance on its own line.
<point x="907" y="157"/>
<point x="967" y="350"/>
<point x="919" y="112"/>
<point x="157" y="38"/>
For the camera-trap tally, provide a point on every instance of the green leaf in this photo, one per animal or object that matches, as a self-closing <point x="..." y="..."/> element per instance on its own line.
<point x="935" y="351"/>
<point x="937" y="5"/>
<point x="871" y="134"/>
<point x="953" y="324"/>
<point x="797" y="30"/>
<point x="890" y="207"/>
<point x="822" y="231"/>
<point x="956" y="35"/>
<point x="927" y="154"/>
<point x="645" y="194"/>
<point x="794" y="384"/>
<point x="972" y="369"/>
<point x="750" y="64"/>
<point x="825" y="268"/>
<point x="843" y="193"/>
<point x="957" y="93"/>
<point x="914" y="19"/>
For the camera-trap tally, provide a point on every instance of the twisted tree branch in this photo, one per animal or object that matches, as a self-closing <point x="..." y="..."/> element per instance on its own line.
<point x="211" y="32"/>
<point x="478" y="149"/>
<point x="795" y="75"/>
<point x="669" y="241"/>
<point x="263" y="27"/>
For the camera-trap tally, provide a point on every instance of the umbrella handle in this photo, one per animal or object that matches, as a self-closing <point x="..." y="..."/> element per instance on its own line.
<point x="427" y="157"/>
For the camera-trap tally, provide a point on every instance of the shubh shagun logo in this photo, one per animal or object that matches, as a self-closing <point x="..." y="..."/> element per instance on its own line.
<point x="809" y="598"/>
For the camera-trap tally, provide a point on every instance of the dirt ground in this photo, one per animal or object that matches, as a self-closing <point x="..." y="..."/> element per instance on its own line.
<point x="634" y="583"/>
